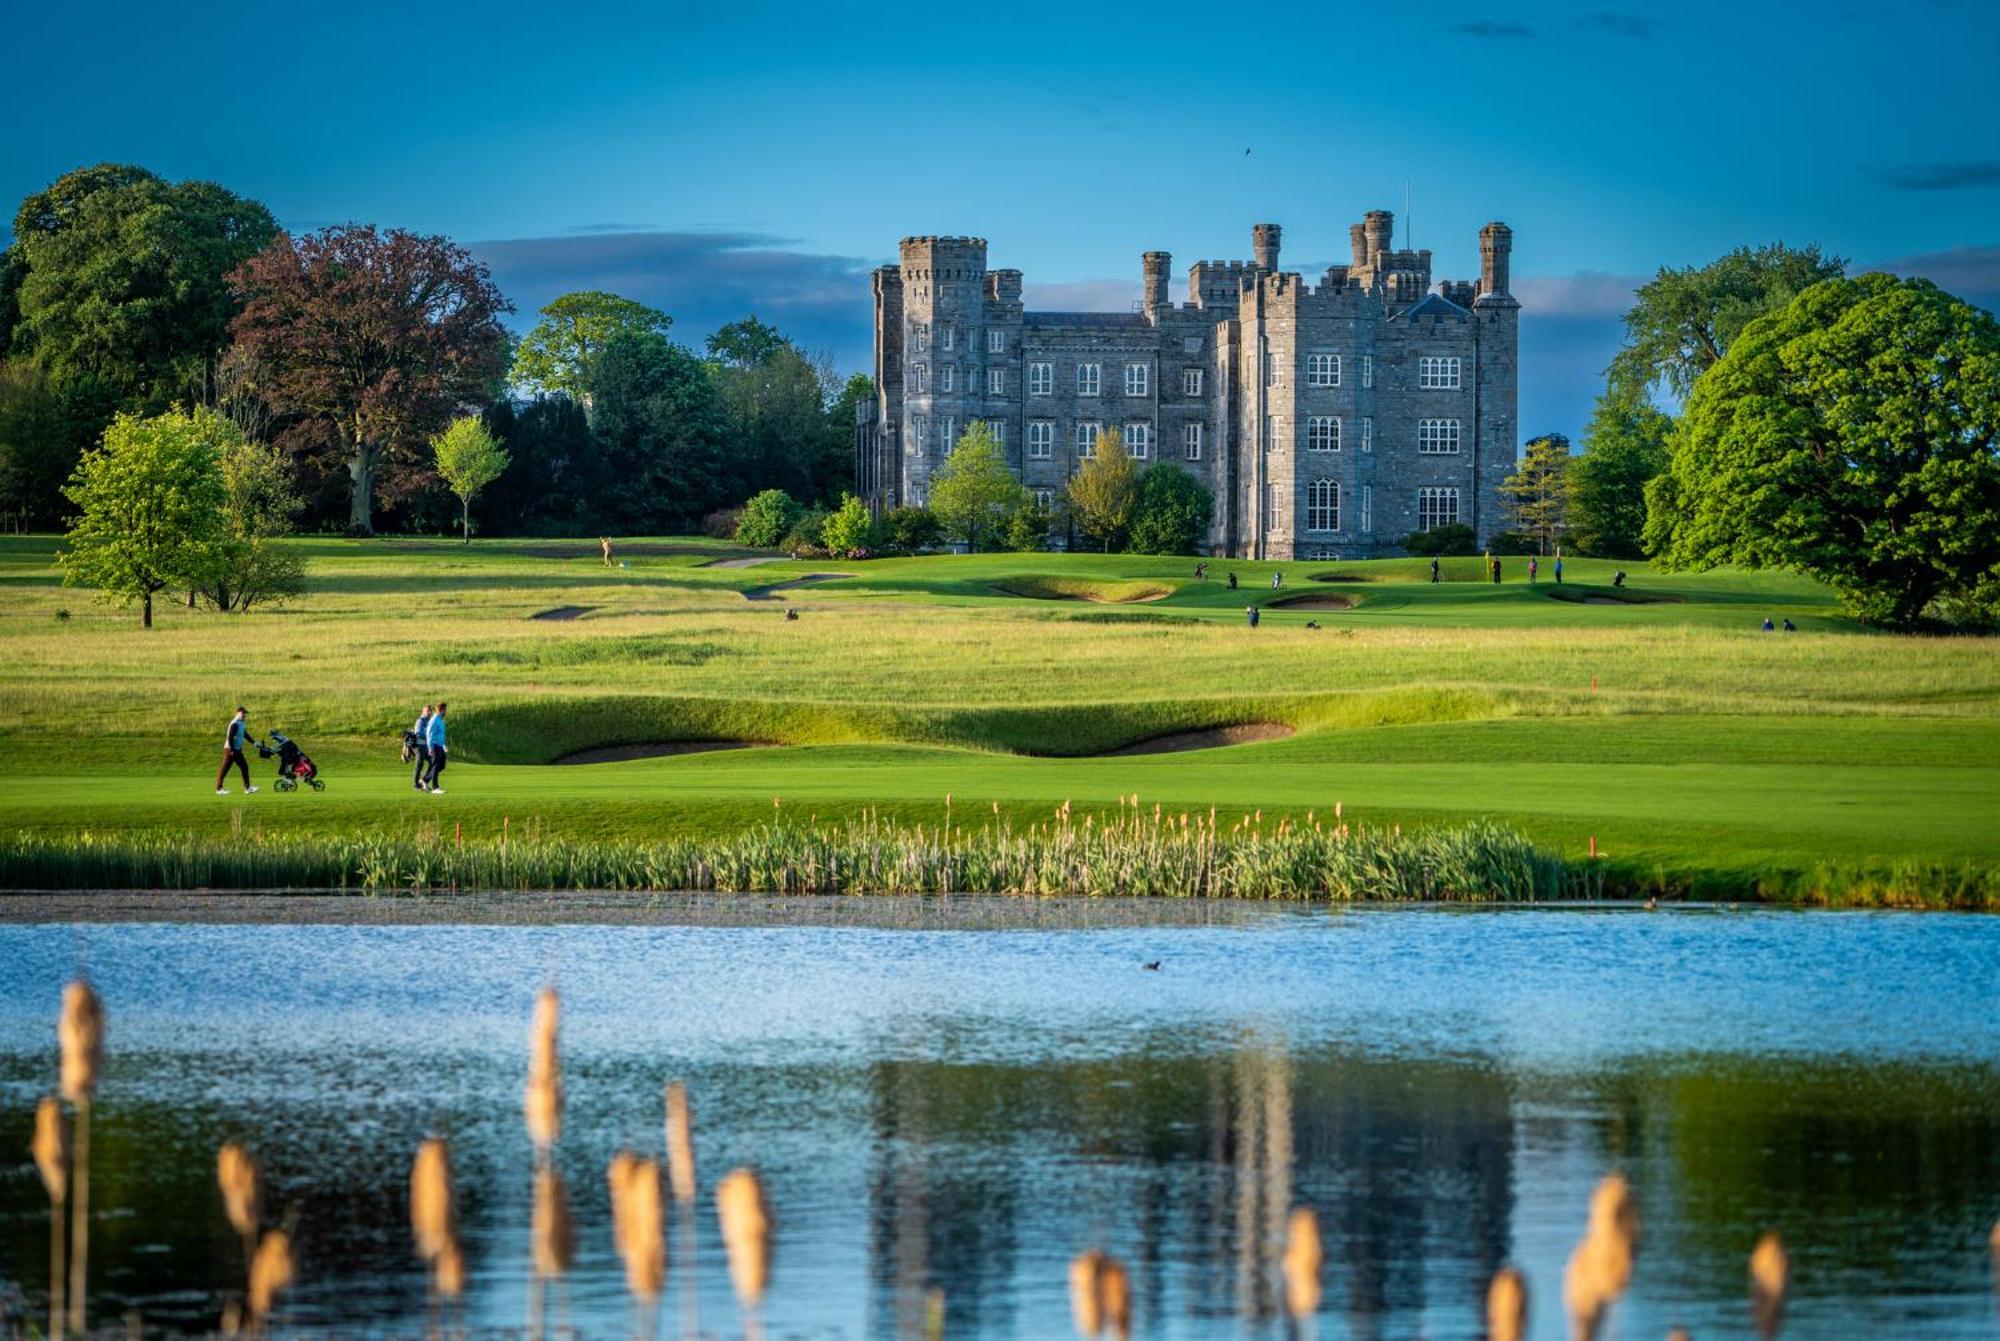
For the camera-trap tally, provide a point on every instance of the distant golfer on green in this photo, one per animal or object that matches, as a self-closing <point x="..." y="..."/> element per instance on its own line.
<point x="233" y="740"/>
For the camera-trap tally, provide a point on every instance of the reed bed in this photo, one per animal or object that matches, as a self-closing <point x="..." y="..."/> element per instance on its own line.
<point x="1135" y="852"/>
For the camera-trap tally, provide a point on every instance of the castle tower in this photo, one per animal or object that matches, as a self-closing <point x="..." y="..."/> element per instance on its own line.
<point x="944" y="306"/>
<point x="1357" y="240"/>
<point x="1157" y="266"/>
<point x="1264" y="246"/>
<point x="1496" y="248"/>
<point x="1378" y="229"/>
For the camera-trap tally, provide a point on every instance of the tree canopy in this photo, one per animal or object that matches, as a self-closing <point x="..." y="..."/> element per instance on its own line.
<point x="1853" y="436"/>
<point x="379" y="336"/>
<point x="1624" y="448"/>
<point x="661" y="436"/>
<point x="1685" y="320"/>
<point x="1537" y="495"/>
<point x="1102" y="491"/>
<point x="559" y="356"/>
<point x="974" y="493"/>
<point x="1171" y="511"/>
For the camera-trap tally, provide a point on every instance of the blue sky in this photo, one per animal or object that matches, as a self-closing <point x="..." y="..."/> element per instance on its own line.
<point x="714" y="158"/>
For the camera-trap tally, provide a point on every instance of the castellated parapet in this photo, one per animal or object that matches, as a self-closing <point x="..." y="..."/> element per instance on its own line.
<point x="1329" y="420"/>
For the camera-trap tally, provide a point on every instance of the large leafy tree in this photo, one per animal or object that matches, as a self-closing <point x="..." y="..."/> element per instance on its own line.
<point x="1537" y="495"/>
<point x="1171" y="511"/>
<point x="1853" y="436"/>
<point x="553" y="465"/>
<point x="1101" y="493"/>
<point x="1685" y="320"/>
<point x="253" y="567"/>
<point x="974" y="493"/>
<point x="559" y="356"/>
<point x="379" y="336"/>
<point x="42" y="433"/>
<point x="662" y="459"/>
<point x="120" y="279"/>
<point x="1624" y="448"/>
<point x="152" y="506"/>
<point x="777" y="403"/>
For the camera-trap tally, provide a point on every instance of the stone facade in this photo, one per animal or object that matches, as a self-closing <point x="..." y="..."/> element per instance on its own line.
<point x="1328" y="421"/>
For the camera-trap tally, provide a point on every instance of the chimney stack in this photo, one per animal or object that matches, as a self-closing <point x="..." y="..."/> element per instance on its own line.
<point x="1264" y="246"/>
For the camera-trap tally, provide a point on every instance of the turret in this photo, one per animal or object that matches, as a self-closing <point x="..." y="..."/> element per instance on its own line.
<point x="1357" y="238"/>
<point x="1264" y="245"/>
<point x="1003" y="286"/>
<point x="1378" y="227"/>
<point x="1496" y="247"/>
<point x="1157" y="266"/>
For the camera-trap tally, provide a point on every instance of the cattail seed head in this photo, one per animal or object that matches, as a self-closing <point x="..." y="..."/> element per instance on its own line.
<point x="270" y="1273"/>
<point x="433" y="1214"/>
<point x="542" y="1103"/>
<point x="1086" y="1294"/>
<point x="242" y="1194"/>
<point x="1601" y="1267"/>
<point x="746" y="1233"/>
<point x="1303" y="1258"/>
<point x="448" y="1271"/>
<point x="82" y="1036"/>
<point x="554" y="1237"/>
<point x="1115" y="1289"/>
<point x="680" y="1143"/>
<point x="1770" y="1279"/>
<point x="639" y="1224"/>
<point x="1507" y="1306"/>
<point x="51" y="1148"/>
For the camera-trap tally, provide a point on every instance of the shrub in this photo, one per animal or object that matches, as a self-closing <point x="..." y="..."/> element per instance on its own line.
<point x="1028" y="529"/>
<point x="807" y="538"/>
<point x="1170" y="512"/>
<point x="910" y="530"/>
<point x="849" y="532"/>
<point x="721" y="524"/>
<point x="1452" y="538"/>
<point x="1515" y="542"/>
<point x="767" y="519"/>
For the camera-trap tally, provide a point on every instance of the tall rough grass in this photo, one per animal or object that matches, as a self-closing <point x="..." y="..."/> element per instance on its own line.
<point x="1135" y="852"/>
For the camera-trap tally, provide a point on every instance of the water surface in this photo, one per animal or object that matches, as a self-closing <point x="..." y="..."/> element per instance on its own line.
<point x="966" y="1109"/>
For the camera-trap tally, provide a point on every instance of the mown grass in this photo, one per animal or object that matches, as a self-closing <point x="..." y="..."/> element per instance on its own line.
<point x="1699" y="752"/>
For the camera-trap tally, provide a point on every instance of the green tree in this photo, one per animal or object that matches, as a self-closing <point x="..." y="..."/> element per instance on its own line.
<point x="152" y="507"/>
<point x="1624" y="448"/>
<point x="662" y="435"/>
<point x="974" y="493"/>
<point x="767" y="519"/>
<point x="1171" y="511"/>
<point x="42" y="433"/>
<point x="1028" y="529"/>
<point x="909" y="530"/>
<point x="468" y="458"/>
<point x="559" y="356"/>
<point x="252" y="566"/>
<point x="746" y="343"/>
<point x="778" y="402"/>
<point x="1452" y="538"/>
<point x="1685" y="320"/>
<point x="1537" y="493"/>
<point x="1853" y="436"/>
<point x="850" y="528"/>
<point x="121" y="278"/>
<point x="1102" y="492"/>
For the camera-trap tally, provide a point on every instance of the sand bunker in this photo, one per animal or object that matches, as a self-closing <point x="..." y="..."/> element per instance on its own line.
<point x="1209" y="738"/>
<point x="1340" y="577"/>
<point x="614" y="754"/>
<point x="746" y="563"/>
<point x="772" y="592"/>
<point x="1314" y="603"/>
<point x="563" y="612"/>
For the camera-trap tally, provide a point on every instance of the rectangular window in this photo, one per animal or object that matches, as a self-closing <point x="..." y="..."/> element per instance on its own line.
<point x="1191" y="382"/>
<point x="920" y="378"/>
<point x="1041" y="439"/>
<point x="1135" y="379"/>
<point x="1323" y="506"/>
<point x="1322" y="370"/>
<point x="920" y="429"/>
<point x="1086" y="440"/>
<point x="1437" y="437"/>
<point x="1367" y="370"/>
<point x="1367" y="507"/>
<point x="1368" y="433"/>
<point x="920" y="336"/>
<point x="1089" y="379"/>
<point x="945" y="337"/>
<point x="1274" y="508"/>
<point x="1045" y="499"/>
<point x="996" y="381"/>
<point x="947" y="377"/>
<point x="1436" y="507"/>
<point x="998" y="428"/>
<point x="1322" y="433"/>
<point x="1271" y="370"/>
<point x="947" y="435"/>
<point x="1041" y="379"/>
<point x="1437" y="373"/>
<point x="996" y="342"/>
<point x="1191" y="441"/>
<point x="1138" y="441"/>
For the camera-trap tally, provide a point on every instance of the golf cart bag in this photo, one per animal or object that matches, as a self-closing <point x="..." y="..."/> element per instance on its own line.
<point x="294" y="765"/>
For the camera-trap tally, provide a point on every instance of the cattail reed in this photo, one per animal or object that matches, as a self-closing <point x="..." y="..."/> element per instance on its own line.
<point x="1770" y="1278"/>
<point x="638" y="1225"/>
<point x="51" y="1150"/>
<point x="81" y="1034"/>
<point x="543" y="1102"/>
<point x="1303" y="1259"/>
<point x="1115" y="1288"/>
<point x="450" y="1271"/>
<point x="1507" y="1306"/>
<point x="746" y="1233"/>
<point x="1601" y="1267"/>
<point x="680" y="1144"/>
<point x="1100" y="1295"/>
<point x="242" y="1193"/>
<point x="433" y="1211"/>
<point x="553" y="1235"/>
<point x="270" y="1275"/>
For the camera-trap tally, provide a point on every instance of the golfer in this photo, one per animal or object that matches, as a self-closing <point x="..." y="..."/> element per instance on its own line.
<point x="233" y="740"/>
<point x="1434" y="572"/>
<point x="438" y="753"/>
<point x="420" y="743"/>
<point x="605" y="541"/>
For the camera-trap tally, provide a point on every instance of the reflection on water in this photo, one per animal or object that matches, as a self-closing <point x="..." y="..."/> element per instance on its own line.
<point x="966" y="1110"/>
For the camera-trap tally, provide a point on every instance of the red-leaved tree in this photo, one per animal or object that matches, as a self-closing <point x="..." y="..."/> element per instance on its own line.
<point x="381" y="336"/>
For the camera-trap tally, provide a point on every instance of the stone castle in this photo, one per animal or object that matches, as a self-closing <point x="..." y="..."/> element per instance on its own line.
<point x="1328" y="421"/>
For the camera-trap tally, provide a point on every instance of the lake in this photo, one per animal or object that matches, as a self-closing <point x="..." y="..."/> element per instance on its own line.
<point x="962" y="1095"/>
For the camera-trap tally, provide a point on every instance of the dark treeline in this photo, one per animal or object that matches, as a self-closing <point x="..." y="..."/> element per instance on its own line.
<point x="352" y="347"/>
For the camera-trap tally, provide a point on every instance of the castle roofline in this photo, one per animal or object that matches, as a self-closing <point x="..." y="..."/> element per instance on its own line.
<point x="1084" y="318"/>
<point x="1432" y="305"/>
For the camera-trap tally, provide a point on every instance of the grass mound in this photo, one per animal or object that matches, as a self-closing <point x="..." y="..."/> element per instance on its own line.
<point x="1100" y="591"/>
<point x="658" y="749"/>
<point x="776" y="589"/>
<point x="1210" y="738"/>
<point x="1609" y="596"/>
<point x="1314" y="601"/>
<point x="563" y="612"/>
<point x="1342" y="577"/>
